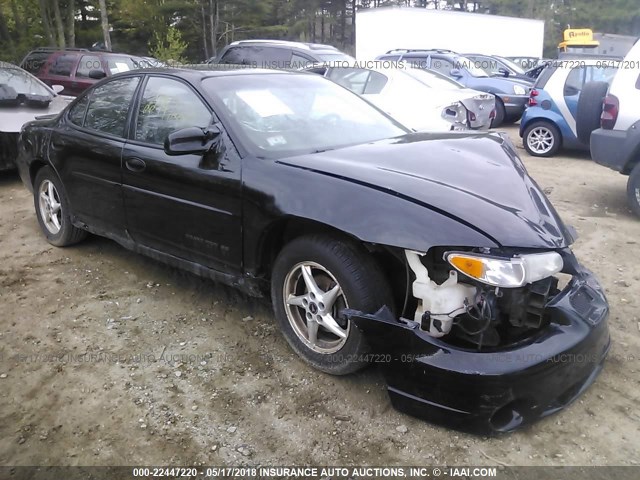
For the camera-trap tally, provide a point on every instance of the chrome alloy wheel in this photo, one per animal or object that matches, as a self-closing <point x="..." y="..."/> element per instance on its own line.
<point x="313" y="299"/>
<point x="540" y="140"/>
<point x="50" y="207"/>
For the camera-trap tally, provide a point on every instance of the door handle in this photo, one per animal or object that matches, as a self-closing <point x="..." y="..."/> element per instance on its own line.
<point x="135" y="164"/>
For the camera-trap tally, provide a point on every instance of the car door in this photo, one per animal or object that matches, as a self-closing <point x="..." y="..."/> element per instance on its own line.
<point x="86" y="150"/>
<point x="187" y="206"/>
<point x="59" y="72"/>
<point x="89" y="65"/>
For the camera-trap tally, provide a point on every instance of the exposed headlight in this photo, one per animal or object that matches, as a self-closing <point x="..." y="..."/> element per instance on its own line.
<point x="455" y="113"/>
<point x="519" y="90"/>
<point x="507" y="272"/>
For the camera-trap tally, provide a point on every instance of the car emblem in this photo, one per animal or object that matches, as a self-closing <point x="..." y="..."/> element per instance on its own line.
<point x="481" y="107"/>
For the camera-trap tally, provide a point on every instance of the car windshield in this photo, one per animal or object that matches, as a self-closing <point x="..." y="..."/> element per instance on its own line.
<point x="512" y="65"/>
<point x="432" y="79"/>
<point x="470" y="66"/>
<point x="279" y="115"/>
<point x="120" y="64"/>
<point x="22" y="82"/>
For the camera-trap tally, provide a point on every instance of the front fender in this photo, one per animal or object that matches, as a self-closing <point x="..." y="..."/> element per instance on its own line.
<point x="273" y="191"/>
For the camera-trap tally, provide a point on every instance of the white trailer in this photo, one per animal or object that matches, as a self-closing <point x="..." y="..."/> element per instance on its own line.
<point x="379" y="30"/>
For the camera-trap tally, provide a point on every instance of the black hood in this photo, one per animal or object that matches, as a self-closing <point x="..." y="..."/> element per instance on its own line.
<point x="477" y="179"/>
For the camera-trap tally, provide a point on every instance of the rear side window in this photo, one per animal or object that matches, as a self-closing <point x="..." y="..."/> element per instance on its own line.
<point x="298" y="61"/>
<point x="77" y="112"/>
<point x="376" y="83"/>
<point x="358" y="80"/>
<point x="109" y="106"/>
<point x="62" y="65"/>
<point x="35" y="61"/>
<point x="87" y="64"/>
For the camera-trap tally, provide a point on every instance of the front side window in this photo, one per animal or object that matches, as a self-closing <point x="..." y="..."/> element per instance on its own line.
<point x="87" y="64"/>
<point x="109" y="106"/>
<point x="277" y="115"/>
<point x="441" y="65"/>
<point x="168" y="105"/>
<point x="468" y="65"/>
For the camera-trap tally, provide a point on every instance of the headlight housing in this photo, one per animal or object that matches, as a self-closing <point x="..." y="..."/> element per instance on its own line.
<point x="455" y="113"/>
<point x="506" y="272"/>
<point x="519" y="90"/>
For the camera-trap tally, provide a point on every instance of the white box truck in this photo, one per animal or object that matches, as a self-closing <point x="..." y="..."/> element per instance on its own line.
<point x="379" y="30"/>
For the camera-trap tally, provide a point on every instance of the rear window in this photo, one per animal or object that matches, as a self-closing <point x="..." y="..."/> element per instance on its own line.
<point x="259" y="56"/>
<point x="34" y="62"/>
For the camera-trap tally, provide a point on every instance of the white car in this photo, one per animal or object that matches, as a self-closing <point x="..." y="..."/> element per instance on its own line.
<point x="23" y="98"/>
<point x="420" y="99"/>
<point x="617" y="143"/>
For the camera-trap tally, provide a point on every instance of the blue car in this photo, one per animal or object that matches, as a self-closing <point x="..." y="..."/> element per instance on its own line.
<point x="550" y="122"/>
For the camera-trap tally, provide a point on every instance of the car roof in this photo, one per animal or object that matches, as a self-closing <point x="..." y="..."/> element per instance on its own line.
<point x="204" y="71"/>
<point x="286" y="44"/>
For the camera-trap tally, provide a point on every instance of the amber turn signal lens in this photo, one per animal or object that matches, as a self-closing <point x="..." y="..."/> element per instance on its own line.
<point x="470" y="266"/>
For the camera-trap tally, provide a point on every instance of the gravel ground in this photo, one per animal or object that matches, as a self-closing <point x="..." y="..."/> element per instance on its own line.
<point x="109" y="358"/>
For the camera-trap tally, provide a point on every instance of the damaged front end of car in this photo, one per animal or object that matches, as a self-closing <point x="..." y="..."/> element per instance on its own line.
<point x="491" y="342"/>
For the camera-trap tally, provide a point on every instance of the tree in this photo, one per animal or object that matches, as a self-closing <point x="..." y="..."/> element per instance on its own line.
<point x="104" y="20"/>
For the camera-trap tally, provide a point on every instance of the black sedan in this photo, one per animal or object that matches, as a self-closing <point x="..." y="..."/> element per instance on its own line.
<point x="435" y="255"/>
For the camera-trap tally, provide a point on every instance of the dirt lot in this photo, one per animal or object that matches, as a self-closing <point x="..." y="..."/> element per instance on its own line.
<point x="109" y="358"/>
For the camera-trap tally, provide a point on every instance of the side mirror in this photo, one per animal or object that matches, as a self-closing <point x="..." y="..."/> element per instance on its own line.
<point x="191" y="140"/>
<point x="504" y="72"/>
<point x="97" y="74"/>
<point x="455" y="73"/>
<point x="57" y="88"/>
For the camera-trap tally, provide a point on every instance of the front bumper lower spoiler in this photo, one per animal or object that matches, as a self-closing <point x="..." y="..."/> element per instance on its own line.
<point x="493" y="392"/>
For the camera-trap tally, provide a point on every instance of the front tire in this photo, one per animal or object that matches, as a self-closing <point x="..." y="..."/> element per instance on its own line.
<point x="313" y="279"/>
<point x="542" y="139"/>
<point x="52" y="210"/>
<point x="633" y="190"/>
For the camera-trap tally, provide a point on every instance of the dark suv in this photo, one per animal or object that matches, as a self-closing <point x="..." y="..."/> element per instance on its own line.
<point x="512" y="95"/>
<point x="76" y="69"/>
<point x="278" y="54"/>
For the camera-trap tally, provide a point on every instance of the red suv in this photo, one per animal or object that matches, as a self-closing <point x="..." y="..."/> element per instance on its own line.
<point x="76" y="69"/>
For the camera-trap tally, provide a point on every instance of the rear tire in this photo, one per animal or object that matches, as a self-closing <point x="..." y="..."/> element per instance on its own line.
<point x="52" y="210"/>
<point x="590" y="109"/>
<point x="500" y="114"/>
<point x="542" y="139"/>
<point x="309" y="322"/>
<point x="633" y="190"/>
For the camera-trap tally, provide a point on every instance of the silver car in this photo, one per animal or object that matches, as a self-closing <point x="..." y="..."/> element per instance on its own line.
<point x="420" y="99"/>
<point x="22" y="98"/>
